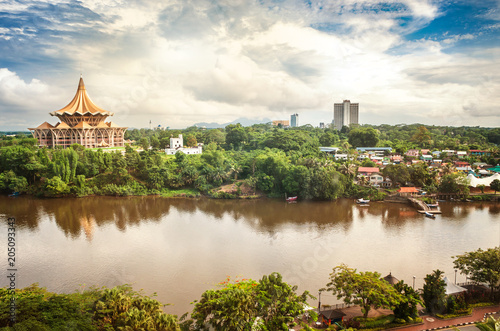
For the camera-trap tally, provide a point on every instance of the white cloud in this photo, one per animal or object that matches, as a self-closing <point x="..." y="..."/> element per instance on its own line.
<point x="183" y="62"/>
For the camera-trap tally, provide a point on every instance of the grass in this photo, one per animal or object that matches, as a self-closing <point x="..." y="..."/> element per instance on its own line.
<point x="191" y="193"/>
<point x="459" y="313"/>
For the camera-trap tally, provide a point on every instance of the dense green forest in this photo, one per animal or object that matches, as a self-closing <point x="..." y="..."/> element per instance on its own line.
<point x="262" y="158"/>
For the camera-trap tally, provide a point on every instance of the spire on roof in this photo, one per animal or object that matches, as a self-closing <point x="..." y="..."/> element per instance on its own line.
<point x="81" y="104"/>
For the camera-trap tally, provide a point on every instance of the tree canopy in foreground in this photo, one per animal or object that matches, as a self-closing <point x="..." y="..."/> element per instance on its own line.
<point x="480" y="266"/>
<point x="362" y="288"/>
<point x="270" y="304"/>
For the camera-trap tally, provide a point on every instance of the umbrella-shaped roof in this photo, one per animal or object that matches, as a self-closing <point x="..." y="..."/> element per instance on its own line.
<point x="81" y="104"/>
<point x="452" y="288"/>
<point x="391" y="279"/>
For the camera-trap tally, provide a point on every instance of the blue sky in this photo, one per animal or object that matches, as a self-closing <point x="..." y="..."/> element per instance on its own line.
<point x="177" y="63"/>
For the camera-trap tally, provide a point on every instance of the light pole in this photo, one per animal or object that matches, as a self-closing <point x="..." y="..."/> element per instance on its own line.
<point x="455" y="276"/>
<point x="414" y="281"/>
<point x="319" y="302"/>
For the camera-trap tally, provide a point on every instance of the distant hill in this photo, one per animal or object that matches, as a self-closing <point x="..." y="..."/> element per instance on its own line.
<point x="243" y="121"/>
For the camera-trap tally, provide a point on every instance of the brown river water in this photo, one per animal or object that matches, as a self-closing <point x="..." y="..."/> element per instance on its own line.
<point x="178" y="248"/>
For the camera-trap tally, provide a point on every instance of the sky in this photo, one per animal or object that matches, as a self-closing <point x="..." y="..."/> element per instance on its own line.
<point x="179" y="62"/>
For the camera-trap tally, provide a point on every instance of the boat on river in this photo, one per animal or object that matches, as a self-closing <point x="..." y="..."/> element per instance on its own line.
<point x="291" y="199"/>
<point x="430" y="215"/>
<point x="362" y="201"/>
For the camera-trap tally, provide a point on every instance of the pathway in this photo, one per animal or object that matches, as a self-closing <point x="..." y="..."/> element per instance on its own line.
<point x="431" y="322"/>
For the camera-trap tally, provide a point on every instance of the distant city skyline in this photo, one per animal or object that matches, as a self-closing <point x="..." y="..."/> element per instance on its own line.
<point x="178" y="63"/>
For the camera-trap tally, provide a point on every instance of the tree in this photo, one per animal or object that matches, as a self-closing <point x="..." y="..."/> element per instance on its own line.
<point x="144" y="143"/>
<point x="364" y="288"/>
<point x="454" y="183"/>
<point x="325" y="183"/>
<point x="434" y="292"/>
<point x="155" y="142"/>
<point x="9" y="181"/>
<point x="237" y="305"/>
<point x="368" y="163"/>
<point x="366" y="137"/>
<point x="121" y="308"/>
<point x="55" y="186"/>
<point x="397" y="173"/>
<point x="481" y="187"/>
<point x="480" y="266"/>
<point x="296" y="181"/>
<point x="213" y="136"/>
<point x="191" y="141"/>
<point x="407" y="307"/>
<point x="422" y="136"/>
<point x="328" y="138"/>
<point x="279" y="305"/>
<point x="236" y="135"/>
<point x="491" y="324"/>
<point x="495" y="185"/>
<point x="421" y="175"/>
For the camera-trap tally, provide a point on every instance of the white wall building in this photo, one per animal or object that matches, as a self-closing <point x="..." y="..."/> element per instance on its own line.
<point x="177" y="145"/>
<point x="345" y="113"/>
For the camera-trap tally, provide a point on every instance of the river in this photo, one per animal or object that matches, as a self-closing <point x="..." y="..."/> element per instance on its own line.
<point x="178" y="248"/>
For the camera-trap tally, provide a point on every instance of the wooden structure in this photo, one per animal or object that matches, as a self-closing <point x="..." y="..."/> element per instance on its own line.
<point x="81" y="122"/>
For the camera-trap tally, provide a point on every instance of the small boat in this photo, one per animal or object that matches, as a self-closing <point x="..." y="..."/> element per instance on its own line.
<point x="433" y="205"/>
<point x="362" y="201"/>
<point x="430" y="215"/>
<point x="290" y="199"/>
<point x="14" y="194"/>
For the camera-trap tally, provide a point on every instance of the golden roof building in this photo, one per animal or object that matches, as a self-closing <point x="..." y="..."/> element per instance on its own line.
<point x="81" y="122"/>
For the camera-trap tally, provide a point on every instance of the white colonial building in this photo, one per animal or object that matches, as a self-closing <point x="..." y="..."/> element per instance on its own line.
<point x="177" y="145"/>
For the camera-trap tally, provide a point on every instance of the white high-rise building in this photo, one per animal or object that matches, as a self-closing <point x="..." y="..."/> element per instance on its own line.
<point x="345" y="113"/>
<point x="294" y="120"/>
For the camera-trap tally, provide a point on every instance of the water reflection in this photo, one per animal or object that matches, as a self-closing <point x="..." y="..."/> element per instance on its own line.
<point x="75" y="216"/>
<point x="181" y="247"/>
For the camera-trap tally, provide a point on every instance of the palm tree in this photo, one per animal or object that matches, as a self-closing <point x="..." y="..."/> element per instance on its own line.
<point x="491" y="324"/>
<point x="348" y="169"/>
<point x="447" y="168"/>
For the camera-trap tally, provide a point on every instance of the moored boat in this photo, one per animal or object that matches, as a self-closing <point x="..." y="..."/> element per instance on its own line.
<point x="362" y="201"/>
<point x="290" y="199"/>
<point x="430" y="215"/>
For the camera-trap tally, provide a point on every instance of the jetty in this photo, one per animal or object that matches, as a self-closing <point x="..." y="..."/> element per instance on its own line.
<point x="422" y="207"/>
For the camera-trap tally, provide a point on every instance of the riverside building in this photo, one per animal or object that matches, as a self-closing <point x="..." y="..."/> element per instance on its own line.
<point x="81" y="122"/>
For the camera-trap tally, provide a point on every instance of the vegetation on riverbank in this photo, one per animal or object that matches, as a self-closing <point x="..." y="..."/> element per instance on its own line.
<point x="268" y="160"/>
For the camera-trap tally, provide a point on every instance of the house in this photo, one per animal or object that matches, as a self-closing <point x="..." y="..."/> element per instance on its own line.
<point x="425" y="151"/>
<point x="448" y="152"/>
<point x="408" y="191"/>
<point x="329" y="150"/>
<point x="340" y="157"/>
<point x="461" y="154"/>
<point x="176" y="145"/>
<point x="495" y="169"/>
<point x="367" y="171"/>
<point x="477" y="152"/>
<point x="378" y="151"/>
<point x="396" y="158"/>
<point x="461" y="164"/>
<point x="426" y="158"/>
<point x="387" y="182"/>
<point x="412" y="153"/>
<point x="376" y="179"/>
